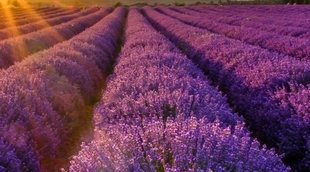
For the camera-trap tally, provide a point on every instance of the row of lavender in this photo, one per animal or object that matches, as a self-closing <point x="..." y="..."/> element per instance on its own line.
<point x="279" y="12"/>
<point x="159" y="113"/>
<point x="295" y="19"/>
<point x="33" y="16"/>
<point x="18" y="12"/>
<point x="48" y="22"/>
<point x="266" y="23"/>
<point x="44" y="98"/>
<point x="271" y="90"/>
<point x="302" y="99"/>
<point x="17" y="48"/>
<point x="296" y="47"/>
<point x="22" y="13"/>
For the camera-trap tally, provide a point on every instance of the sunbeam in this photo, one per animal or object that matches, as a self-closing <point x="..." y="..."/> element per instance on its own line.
<point x="20" y="50"/>
<point x="34" y="14"/>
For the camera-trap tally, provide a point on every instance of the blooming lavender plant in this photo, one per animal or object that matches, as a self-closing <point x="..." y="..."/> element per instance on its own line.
<point x="44" y="97"/>
<point x="247" y="74"/>
<point x="159" y="113"/>
<point x="296" y="47"/>
<point x="294" y="97"/>
<point x="176" y="145"/>
<point x="27" y="17"/>
<point x="18" y="48"/>
<point x="300" y="14"/>
<point x="250" y="19"/>
<point x="53" y="21"/>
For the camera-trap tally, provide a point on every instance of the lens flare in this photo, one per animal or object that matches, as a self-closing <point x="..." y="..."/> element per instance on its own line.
<point x="34" y="14"/>
<point x="20" y="50"/>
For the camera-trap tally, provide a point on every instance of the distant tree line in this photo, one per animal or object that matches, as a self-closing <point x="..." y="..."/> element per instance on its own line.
<point x="284" y="1"/>
<point x="244" y="2"/>
<point x="14" y="3"/>
<point x="265" y="2"/>
<point x="260" y="2"/>
<point x="297" y="1"/>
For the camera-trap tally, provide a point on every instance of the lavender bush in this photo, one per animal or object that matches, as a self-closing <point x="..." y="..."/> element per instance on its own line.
<point x="16" y="49"/>
<point x="44" y="97"/>
<point x="250" y="18"/>
<point x="159" y="113"/>
<point x="176" y="145"/>
<point x="294" y="97"/>
<point x="32" y="27"/>
<point x="194" y="88"/>
<point x="300" y="15"/>
<point x="247" y="74"/>
<point x="28" y="17"/>
<point x="296" y="47"/>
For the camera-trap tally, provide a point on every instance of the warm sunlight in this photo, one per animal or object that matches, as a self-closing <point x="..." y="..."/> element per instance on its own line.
<point x="11" y="19"/>
<point x="34" y="14"/>
<point x="20" y="50"/>
<point x="154" y="85"/>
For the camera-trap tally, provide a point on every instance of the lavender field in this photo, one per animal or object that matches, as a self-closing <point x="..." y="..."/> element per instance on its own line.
<point x="155" y="88"/>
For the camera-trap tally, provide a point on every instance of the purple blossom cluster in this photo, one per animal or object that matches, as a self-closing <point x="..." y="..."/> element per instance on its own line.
<point x="18" y="48"/>
<point x="249" y="18"/>
<point x="43" y="98"/>
<point x="160" y="113"/>
<point x="277" y="15"/>
<point x="20" y="13"/>
<point x="53" y="21"/>
<point x="252" y="78"/>
<point x="189" y="144"/>
<point x="296" y="47"/>
<point x="294" y="97"/>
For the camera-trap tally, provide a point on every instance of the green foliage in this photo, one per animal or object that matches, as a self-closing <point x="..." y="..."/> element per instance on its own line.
<point x="179" y="4"/>
<point x="118" y="4"/>
<point x="14" y="3"/>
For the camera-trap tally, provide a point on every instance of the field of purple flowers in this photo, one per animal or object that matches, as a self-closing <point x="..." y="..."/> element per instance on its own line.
<point x="164" y="88"/>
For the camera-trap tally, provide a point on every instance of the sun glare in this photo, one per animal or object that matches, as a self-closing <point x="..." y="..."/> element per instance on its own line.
<point x="10" y="20"/>
<point x="34" y="14"/>
<point x="20" y="50"/>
